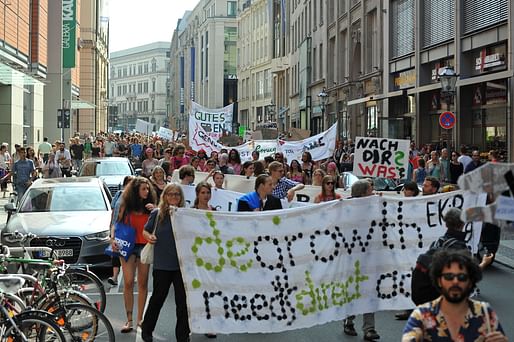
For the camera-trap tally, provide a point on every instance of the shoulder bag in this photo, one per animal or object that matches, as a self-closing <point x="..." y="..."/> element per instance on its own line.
<point x="147" y="252"/>
<point x="125" y="239"/>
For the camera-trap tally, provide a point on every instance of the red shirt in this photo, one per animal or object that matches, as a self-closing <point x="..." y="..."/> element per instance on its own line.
<point x="138" y="221"/>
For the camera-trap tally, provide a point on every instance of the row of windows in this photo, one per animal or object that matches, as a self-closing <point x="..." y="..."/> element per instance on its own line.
<point x="142" y="88"/>
<point x="231" y="10"/>
<point x="133" y="69"/>
<point x="139" y="106"/>
<point x="262" y="86"/>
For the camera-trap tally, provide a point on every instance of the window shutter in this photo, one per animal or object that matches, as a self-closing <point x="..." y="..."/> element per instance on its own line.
<point x="479" y="14"/>
<point x="402" y="18"/>
<point x="438" y="21"/>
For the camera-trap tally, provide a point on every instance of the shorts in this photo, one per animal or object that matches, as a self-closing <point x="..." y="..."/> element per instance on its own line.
<point x="137" y="250"/>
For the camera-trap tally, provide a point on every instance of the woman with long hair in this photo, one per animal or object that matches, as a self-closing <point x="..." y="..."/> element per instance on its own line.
<point x="234" y="161"/>
<point x="248" y="169"/>
<point x="203" y="196"/>
<point x="158" y="179"/>
<point x="138" y="200"/>
<point x="149" y="163"/>
<point x="31" y="154"/>
<point x="307" y="165"/>
<point x="327" y="190"/>
<point x="317" y="177"/>
<point x="166" y="268"/>
<point x="295" y="172"/>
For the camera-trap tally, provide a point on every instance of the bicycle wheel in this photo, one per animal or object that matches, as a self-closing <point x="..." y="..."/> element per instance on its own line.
<point x="36" y="326"/>
<point x="87" y="324"/>
<point x="87" y="283"/>
<point x="15" y="304"/>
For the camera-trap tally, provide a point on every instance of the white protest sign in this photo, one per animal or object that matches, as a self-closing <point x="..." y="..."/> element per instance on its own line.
<point x="320" y="146"/>
<point x="381" y="157"/>
<point x="144" y="127"/>
<point x="213" y="121"/>
<point x="288" y="269"/>
<point x="504" y="208"/>
<point x="165" y="133"/>
<point x="199" y="139"/>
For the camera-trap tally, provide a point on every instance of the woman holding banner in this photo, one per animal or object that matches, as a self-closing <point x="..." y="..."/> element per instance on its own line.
<point x="203" y="196"/>
<point x="327" y="190"/>
<point x="166" y="269"/>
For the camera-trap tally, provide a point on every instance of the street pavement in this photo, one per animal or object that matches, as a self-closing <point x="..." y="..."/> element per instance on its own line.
<point x="492" y="289"/>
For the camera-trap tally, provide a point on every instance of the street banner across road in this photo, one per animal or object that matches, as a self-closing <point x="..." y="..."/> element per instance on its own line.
<point x="381" y="157"/>
<point x="289" y="269"/>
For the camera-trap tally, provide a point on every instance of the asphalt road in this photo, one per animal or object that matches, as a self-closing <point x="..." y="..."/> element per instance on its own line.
<point x="496" y="288"/>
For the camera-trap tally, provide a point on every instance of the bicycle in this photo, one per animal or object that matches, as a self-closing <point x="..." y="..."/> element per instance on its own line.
<point x="77" y="277"/>
<point x="33" y="325"/>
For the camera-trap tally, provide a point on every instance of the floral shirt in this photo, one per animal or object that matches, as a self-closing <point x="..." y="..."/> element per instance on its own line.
<point x="427" y="323"/>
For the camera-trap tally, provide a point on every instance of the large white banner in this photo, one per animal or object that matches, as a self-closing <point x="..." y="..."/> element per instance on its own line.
<point x="381" y="157"/>
<point x="242" y="184"/>
<point x="320" y="146"/>
<point x="264" y="147"/>
<point x="295" y="268"/>
<point x="213" y="121"/>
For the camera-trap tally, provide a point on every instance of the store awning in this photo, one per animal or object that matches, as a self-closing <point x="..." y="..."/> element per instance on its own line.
<point x="82" y="104"/>
<point x="10" y="76"/>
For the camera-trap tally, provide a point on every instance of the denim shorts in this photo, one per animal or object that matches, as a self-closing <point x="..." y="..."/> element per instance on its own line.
<point x="137" y="250"/>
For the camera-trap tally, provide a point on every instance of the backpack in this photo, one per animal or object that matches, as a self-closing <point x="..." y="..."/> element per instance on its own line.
<point x="421" y="285"/>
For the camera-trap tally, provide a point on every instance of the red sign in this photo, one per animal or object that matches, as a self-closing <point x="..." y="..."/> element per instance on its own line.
<point x="447" y="120"/>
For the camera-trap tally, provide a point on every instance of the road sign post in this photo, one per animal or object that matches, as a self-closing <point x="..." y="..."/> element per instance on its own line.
<point x="447" y="120"/>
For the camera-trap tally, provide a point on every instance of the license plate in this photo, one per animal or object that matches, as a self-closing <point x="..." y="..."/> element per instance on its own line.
<point x="60" y="253"/>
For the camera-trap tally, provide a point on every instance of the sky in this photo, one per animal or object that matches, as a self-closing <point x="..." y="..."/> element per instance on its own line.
<point x="134" y="22"/>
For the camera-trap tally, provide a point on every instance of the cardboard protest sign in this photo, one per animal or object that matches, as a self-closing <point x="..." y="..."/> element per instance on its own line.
<point x="213" y="121"/>
<point x="288" y="269"/>
<point x="381" y="157"/>
<point x="166" y="133"/>
<point x="144" y="127"/>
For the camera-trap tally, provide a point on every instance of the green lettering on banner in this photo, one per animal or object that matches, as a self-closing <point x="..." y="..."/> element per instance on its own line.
<point x="331" y="294"/>
<point x="69" y="25"/>
<point x="228" y="252"/>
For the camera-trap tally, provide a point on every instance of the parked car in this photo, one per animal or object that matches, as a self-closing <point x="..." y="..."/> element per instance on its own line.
<point x="112" y="170"/>
<point x="71" y="215"/>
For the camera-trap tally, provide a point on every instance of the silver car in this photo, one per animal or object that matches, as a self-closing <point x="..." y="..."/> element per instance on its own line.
<point x="71" y="215"/>
<point x="112" y="170"/>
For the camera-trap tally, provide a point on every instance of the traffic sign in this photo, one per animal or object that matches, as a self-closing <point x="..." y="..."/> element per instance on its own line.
<point x="447" y="120"/>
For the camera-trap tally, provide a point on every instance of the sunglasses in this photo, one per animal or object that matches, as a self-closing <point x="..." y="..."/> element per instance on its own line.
<point x="330" y="183"/>
<point x="462" y="277"/>
<point x="173" y="194"/>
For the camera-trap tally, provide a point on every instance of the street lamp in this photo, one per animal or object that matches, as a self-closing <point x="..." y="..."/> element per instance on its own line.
<point x="448" y="78"/>
<point x="323" y="98"/>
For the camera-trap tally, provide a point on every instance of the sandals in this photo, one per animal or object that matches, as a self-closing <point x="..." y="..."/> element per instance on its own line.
<point x="127" y="327"/>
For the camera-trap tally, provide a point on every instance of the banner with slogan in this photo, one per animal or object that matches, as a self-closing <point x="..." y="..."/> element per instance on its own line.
<point x="226" y="200"/>
<point x="213" y="121"/>
<point x="288" y="269"/>
<point x="264" y="147"/>
<point x="381" y="157"/>
<point x="243" y="185"/>
<point x="320" y="146"/>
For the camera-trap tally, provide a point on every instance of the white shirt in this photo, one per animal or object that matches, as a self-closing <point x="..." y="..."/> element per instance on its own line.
<point x="67" y="157"/>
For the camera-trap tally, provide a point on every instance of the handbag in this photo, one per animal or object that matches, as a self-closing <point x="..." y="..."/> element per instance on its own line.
<point x="148" y="250"/>
<point x="125" y="239"/>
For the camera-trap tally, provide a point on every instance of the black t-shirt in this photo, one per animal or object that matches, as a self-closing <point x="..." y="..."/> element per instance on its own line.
<point x="77" y="151"/>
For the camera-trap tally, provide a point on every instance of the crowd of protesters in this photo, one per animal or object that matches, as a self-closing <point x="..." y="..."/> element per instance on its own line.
<point x="145" y="200"/>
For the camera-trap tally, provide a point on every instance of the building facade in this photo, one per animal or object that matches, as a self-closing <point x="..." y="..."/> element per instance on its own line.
<point x="138" y="83"/>
<point x="91" y="114"/>
<point x="204" y="59"/>
<point x="23" y="70"/>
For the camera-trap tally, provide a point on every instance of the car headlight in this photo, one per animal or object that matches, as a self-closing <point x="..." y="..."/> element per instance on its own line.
<point x="104" y="235"/>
